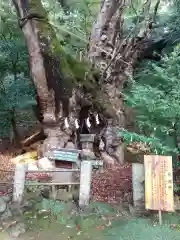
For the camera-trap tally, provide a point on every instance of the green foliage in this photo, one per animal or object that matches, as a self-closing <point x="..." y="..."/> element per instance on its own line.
<point x="73" y="26"/>
<point x="17" y="94"/>
<point x="155" y="96"/>
<point x="153" y="144"/>
<point x="13" y="55"/>
<point x="154" y="93"/>
<point x="16" y="89"/>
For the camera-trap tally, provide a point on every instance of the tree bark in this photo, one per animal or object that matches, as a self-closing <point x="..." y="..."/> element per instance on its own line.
<point x="16" y="139"/>
<point x="116" y="55"/>
<point x="57" y="96"/>
<point x="109" y="50"/>
<point x="52" y="86"/>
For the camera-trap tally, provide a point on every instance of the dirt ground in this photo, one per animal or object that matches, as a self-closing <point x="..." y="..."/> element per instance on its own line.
<point x="105" y="222"/>
<point x="113" y="186"/>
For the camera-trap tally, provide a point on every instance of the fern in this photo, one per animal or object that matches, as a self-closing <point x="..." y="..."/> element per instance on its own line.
<point x="155" y="96"/>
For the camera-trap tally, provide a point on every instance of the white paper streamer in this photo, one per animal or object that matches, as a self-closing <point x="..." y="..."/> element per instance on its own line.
<point x="66" y="123"/>
<point x="97" y="120"/>
<point x="76" y="124"/>
<point x="88" y="122"/>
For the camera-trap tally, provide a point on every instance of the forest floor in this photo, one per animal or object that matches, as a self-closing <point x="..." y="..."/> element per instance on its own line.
<point x="100" y="223"/>
<point x="107" y="217"/>
<point x="93" y="227"/>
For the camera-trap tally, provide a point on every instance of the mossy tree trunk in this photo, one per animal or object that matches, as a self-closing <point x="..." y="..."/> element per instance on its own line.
<point x="117" y="55"/>
<point x="53" y="86"/>
<point x="110" y="51"/>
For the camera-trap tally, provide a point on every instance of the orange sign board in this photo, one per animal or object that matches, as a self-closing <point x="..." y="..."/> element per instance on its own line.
<point x="159" y="183"/>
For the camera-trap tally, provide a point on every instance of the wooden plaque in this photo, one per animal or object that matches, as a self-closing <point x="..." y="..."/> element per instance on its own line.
<point x="159" y="183"/>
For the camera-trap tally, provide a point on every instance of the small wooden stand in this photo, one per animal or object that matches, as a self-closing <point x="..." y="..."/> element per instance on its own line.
<point x="62" y="155"/>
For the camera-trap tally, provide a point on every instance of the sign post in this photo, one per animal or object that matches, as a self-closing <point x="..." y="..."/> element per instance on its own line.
<point x="159" y="184"/>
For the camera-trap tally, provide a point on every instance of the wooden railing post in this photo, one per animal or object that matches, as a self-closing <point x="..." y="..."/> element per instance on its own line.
<point x="19" y="182"/>
<point x="138" y="184"/>
<point x="87" y="156"/>
<point x="85" y="183"/>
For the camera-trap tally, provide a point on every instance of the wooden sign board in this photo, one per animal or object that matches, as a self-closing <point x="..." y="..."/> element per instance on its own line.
<point x="62" y="154"/>
<point x="159" y="183"/>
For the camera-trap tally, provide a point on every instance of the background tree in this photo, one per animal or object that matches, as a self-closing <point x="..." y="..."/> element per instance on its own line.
<point x="154" y="96"/>
<point x="16" y="90"/>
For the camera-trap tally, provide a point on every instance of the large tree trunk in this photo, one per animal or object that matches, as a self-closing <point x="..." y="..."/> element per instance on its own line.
<point x="116" y="55"/>
<point x="52" y="85"/>
<point x="57" y="97"/>
<point x="109" y="50"/>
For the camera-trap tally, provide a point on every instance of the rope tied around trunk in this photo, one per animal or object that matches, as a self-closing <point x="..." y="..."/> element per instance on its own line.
<point x="30" y="16"/>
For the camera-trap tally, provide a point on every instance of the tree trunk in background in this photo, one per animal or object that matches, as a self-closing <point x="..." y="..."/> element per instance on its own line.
<point x="16" y="139"/>
<point x="53" y="89"/>
<point x="116" y="55"/>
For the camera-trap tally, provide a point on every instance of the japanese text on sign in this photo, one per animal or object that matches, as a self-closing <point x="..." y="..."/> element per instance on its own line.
<point x="158" y="183"/>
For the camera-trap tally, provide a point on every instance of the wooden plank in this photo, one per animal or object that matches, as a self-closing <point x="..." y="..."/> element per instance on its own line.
<point x="159" y="183"/>
<point x="62" y="177"/>
<point x="70" y="155"/>
<point x="87" y="137"/>
<point x="31" y="183"/>
<point x="54" y="170"/>
<point x="62" y="157"/>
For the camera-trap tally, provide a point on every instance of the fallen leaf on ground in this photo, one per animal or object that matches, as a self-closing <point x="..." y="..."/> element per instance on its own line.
<point x="100" y="227"/>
